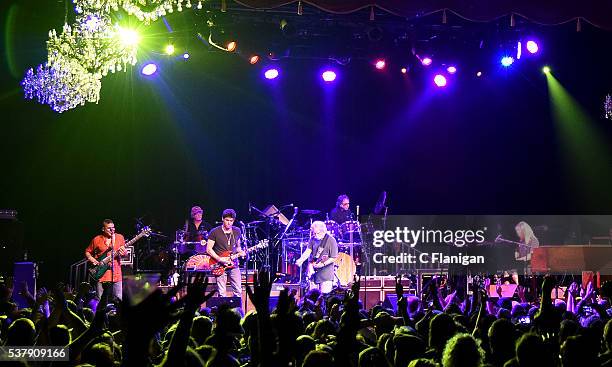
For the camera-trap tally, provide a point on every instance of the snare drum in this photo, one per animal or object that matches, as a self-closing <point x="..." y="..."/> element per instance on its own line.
<point x="198" y="263"/>
<point x="333" y="228"/>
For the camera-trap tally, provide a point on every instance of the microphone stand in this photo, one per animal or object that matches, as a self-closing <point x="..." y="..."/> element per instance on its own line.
<point x="282" y="236"/>
<point x="112" y="284"/>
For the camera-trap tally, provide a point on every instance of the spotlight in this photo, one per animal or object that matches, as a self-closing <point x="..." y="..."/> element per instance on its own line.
<point x="231" y="46"/>
<point x="532" y="47"/>
<point x="546" y="69"/>
<point x="451" y="69"/>
<point x="404" y="70"/>
<point x="149" y="69"/>
<point x="426" y="61"/>
<point x="128" y="37"/>
<point x="479" y="74"/>
<point x="440" y="80"/>
<point x="169" y="49"/>
<point x="380" y="64"/>
<point x="271" y="74"/>
<point x="507" y="61"/>
<point x="519" y="50"/>
<point x="185" y="55"/>
<point x="328" y="75"/>
<point x="254" y="59"/>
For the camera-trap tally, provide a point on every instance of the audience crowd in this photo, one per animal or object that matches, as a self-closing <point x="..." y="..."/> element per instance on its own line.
<point x="449" y="330"/>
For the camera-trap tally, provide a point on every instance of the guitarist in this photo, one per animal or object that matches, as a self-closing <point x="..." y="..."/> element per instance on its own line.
<point x="322" y="251"/>
<point x="102" y="244"/>
<point x="223" y="241"/>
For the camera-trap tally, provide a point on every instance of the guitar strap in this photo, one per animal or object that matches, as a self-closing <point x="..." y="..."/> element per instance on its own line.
<point x="103" y="254"/>
<point x="320" y="248"/>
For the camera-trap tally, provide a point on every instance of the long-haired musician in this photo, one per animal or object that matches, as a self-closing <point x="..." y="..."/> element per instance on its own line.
<point x="526" y="237"/>
<point x="321" y="252"/>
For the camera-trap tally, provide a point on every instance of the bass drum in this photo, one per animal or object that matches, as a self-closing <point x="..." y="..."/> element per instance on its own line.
<point x="198" y="263"/>
<point x="345" y="268"/>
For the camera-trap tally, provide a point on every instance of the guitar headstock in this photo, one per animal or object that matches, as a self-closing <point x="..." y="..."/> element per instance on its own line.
<point x="262" y="244"/>
<point x="146" y="231"/>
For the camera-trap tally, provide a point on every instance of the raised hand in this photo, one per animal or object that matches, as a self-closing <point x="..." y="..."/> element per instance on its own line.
<point x="196" y="292"/>
<point x="24" y="291"/>
<point x="399" y="288"/>
<point x="356" y="286"/>
<point x="260" y="293"/>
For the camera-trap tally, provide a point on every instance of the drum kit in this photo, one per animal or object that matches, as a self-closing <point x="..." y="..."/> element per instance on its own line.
<point x="287" y="240"/>
<point x="348" y="235"/>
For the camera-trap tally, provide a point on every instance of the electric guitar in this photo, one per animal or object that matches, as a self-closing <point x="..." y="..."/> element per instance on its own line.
<point x="97" y="271"/>
<point x="310" y="269"/>
<point x="218" y="269"/>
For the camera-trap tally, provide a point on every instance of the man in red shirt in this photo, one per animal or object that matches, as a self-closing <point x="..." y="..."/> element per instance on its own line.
<point x="101" y="244"/>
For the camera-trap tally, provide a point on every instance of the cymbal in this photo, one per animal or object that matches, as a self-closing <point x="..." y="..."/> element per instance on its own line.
<point x="310" y="211"/>
<point x="255" y="222"/>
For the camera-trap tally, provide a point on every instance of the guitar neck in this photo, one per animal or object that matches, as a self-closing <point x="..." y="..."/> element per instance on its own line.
<point x="133" y="240"/>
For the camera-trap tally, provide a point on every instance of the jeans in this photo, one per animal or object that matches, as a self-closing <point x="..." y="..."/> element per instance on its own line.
<point x="324" y="287"/>
<point x="117" y="289"/>
<point x="234" y="275"/>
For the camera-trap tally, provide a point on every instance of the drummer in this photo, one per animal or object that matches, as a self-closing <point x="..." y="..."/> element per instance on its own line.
<point x="341" y="213"/>
<point x="197" y="229"/>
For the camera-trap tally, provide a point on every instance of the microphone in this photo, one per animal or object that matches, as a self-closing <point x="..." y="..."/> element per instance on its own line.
<point x="357" y="209"/>
<point x="498" y="238"/>
<point x="295" y="210"/>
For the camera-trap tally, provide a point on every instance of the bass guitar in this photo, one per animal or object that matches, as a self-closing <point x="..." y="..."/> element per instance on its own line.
<point x="104" y="260"/>
<point x="216" y="268"/>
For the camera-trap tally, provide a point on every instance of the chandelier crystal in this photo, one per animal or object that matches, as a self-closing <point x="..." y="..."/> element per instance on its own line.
<point x="86" y="51"/>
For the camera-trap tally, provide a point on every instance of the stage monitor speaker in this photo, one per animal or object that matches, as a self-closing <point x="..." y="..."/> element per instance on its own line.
<point x="233" y="302"/>
<point x="24" y="272"/>
<point x="370" y="298"/>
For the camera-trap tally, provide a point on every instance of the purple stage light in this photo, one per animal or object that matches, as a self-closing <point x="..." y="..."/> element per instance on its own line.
<point x="532" y="47"/>
<point x="271" y="73"/>
<point x="380" y="64"/>
<point x="440" y="80"/>
<point x="451" y="69"/>
<point x="328" y="76"/>
<point x="506" y="61"/>
<point x="149" y="69"/>
<point x="479" y="74"/>
<point x="426" y="61"/>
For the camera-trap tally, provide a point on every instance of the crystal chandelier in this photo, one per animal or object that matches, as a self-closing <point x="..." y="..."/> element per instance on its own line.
<point x="83" y="53"/>
<point x="144" y="10"/>
<point x="608" y="107"/>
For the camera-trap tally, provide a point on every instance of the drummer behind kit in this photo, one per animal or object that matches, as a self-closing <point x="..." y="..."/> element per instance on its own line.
<point x="287" y="237"/>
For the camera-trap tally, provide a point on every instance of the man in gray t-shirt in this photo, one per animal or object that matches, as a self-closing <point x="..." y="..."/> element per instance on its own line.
<point x="322" y="251"/>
